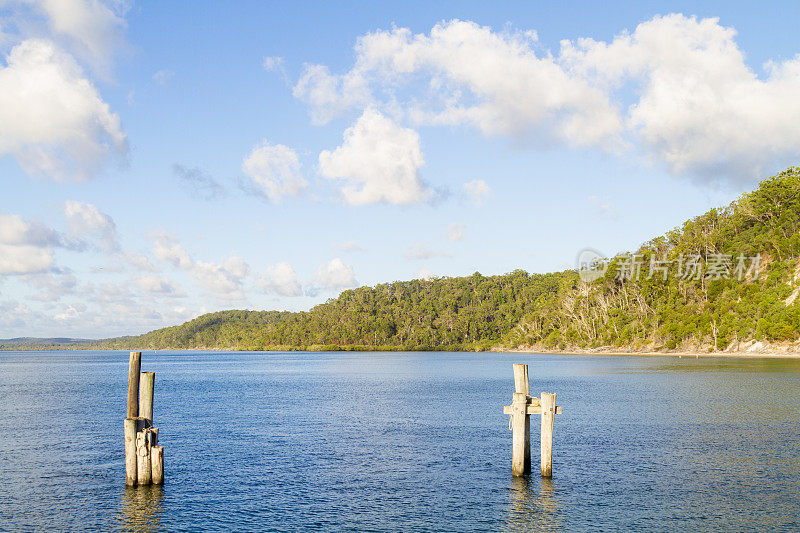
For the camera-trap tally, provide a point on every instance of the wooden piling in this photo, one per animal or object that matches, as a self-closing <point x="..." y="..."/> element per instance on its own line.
<point x="522" y="406"/>
<point x="521" y="427"/>
<point x="157" y="465"/>
<point x="134" y="368"/>
<point x="131" y="474"/>
<point x="548" y="421"/>
<point x="521" y="383"/>
<point x="146" y="386"/>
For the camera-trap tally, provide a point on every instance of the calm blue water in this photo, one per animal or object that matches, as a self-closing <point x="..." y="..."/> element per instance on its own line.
<point x="401" y="441"/>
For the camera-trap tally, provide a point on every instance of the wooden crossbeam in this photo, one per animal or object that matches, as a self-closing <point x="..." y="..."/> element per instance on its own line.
<point x="534" y="409"/>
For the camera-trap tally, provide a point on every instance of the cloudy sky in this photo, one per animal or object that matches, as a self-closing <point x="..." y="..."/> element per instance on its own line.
<point x="160" y="160"/>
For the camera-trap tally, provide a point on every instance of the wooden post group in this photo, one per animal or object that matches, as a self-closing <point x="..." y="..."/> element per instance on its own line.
<point x="522" y="406"/>
<point x="144" y="458"/>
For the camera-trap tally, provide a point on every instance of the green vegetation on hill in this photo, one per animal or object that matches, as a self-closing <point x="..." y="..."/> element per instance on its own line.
<point x="440" y="314"/>
<point x="730" y="300"/>
<point x="691" y="314"/>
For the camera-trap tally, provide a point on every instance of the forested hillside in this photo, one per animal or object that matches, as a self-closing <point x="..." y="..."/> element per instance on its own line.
<point x="743" y="287"/>
<point x="445" y="313"/>
<point x="721" y="281"/>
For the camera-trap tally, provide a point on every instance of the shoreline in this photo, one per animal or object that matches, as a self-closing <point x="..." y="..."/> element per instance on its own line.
<point x="740" y="354"/>
<point x="771" y="354"/>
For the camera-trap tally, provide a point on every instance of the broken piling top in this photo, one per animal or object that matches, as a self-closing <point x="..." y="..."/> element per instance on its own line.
<point x="521" y="383"/>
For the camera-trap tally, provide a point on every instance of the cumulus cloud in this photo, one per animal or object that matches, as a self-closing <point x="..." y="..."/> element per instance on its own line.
<point x="92" y="28"/>
<point x="455" y="231"/>
<point x="163" y="76"/>
<point x="349" y="246"/>
<point x="52" y="119"/>
<point x="491" y="80"/>
<point x="224" y="280"/>
<point x="478" y="191"/>
<point x="702" y="110"/>
<point x="158" y="285"/>
<point x="24" y="259"/>
<point x="166" y="249"/>
<point x="52" y="285"/>
<point x="329" y="95"/>
<point x="198" y="183"/>
<point x="26" y="247"/>
<point x="280" y="279"/>
<point x="423" y="250"/>
<point x="378" y="161"/>
<point x="335" y="274"/>
<point x="677" y="90"/>
<point x="85" y="219"/>
<point x="272" y="63"/>
<point x="274" y="170"/>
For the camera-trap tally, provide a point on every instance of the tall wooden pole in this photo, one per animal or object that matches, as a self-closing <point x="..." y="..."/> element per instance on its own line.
<point x="146" y="386"/>
<point x="521" y="423"/>
<point x="548" y="421"/>
<point x="134" y="368"/>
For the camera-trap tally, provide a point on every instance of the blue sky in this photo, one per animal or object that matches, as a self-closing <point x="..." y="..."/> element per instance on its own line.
<point x="164" y="159"/>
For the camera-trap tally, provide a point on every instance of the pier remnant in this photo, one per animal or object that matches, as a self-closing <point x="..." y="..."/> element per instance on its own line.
<point x="144" y="458"/>
<point x="522" y="406"/>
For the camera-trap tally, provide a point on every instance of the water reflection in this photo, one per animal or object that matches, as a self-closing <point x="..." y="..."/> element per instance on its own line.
<point x="533" y="505"/>
<point x="141" y="508"/>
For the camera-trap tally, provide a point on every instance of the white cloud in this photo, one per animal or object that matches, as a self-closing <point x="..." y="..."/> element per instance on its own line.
<point x="138" y="260"/>
<point x="677" y="89"/>
<point x="335" y="274"/>
<point x="702" y="110"/>
<point x="15" y="230"/>
<point x="24" y="259"/>
<point x="224" y="280"/>
<point x="157" y="285"/>
<point x="272" y="63"/>
<point x="280" y="279"/>
<point x="84" y="218"/>
<point x="53" y="285"/>
<point x="422" y="250"/>
<point x="220" y="281"/>
<point x="52" y="119"/>
<point x="163" y="76"/>
<point x="349" y="246"/>
<point x="329" y="95"/>
<point x="491" y="80"/>
<point x="275" y="169"/>
<point x="455" y="231"/>
<point x="166" y="249"/>
<point x="478" y="191"/>
<point x="604" y="207"/>
<point x="379" y="161"/>
<point x="90" y="26"/>
<point x="26" y="247"/>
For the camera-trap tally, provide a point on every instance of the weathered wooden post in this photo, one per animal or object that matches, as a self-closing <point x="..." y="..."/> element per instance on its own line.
<point x="130" y="452"/>
<point x="144" y="459"/>
<point x="134" y="367"/>
<point x="548" y="402"/>
<point x="521" y="423"/>
<point x="146" y="386"/>
<point x="522" y="406"/>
